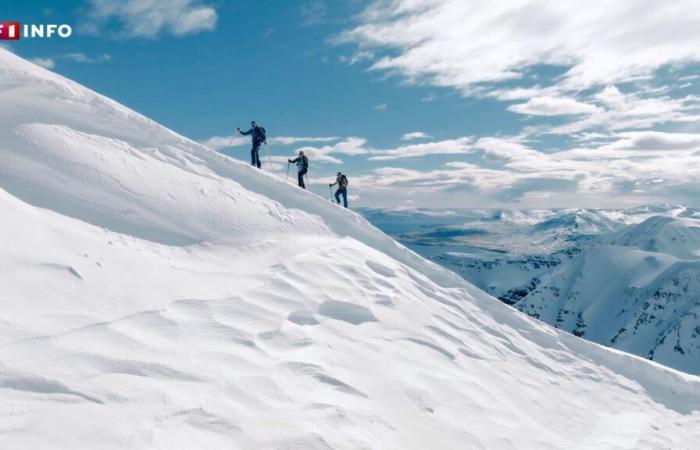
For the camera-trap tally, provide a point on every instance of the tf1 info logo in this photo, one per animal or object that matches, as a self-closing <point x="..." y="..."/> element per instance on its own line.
<point x="12" y="31"/>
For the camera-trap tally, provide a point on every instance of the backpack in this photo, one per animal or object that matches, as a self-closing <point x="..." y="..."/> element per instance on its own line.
<point x="343" y="182"/>
<point x="259" y="134"/>
<point x="304" y="163"/>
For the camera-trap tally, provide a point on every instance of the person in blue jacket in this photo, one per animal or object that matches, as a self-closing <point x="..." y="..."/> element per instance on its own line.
<point x="342" y="181"/>
<point x="257" y="134"/>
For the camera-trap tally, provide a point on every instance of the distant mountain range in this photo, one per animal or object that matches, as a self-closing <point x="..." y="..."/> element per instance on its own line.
<point x="625" y="278"/>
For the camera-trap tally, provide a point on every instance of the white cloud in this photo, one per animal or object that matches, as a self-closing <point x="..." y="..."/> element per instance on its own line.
<point x="630" y="168"/>
<point x="635" y="110"/>
<point x="462" y="44"/>
<point x="313" y="13"/>
<point x="83" y="58"/>
<point x="553" y="106"/>
<point x="381" y="107"/>
<point x="46" y="63"/>
<point x="50" y="62"/>
<point x="475" y="46"/>
<point x="348" y="146"/>
<point x="151" y="18"/>
<point x="292" y="140"/>
<point x="415" y="135"/>
<point x="656" y="141"/>
<point x="446" y="147"/>
<point x="219" y="142"/>
<point x="356" y="57"/>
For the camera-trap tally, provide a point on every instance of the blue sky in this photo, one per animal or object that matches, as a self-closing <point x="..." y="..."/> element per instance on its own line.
<point x="525" y="105"/>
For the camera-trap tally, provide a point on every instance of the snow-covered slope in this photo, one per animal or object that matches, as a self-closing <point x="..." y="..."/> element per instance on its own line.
<point x="635" y="288"/>
<point x="156" y="294"/>
<point x="638" y="291"/>
<point x="663" y="234"/>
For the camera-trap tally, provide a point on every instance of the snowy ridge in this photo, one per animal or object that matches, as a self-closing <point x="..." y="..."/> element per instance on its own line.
<point x="159" y="295"/>
<point x="638" y="291"/>
<point x="634" y="288"/>
<point x="77" y="152"/>
<point x="663" y="234"/>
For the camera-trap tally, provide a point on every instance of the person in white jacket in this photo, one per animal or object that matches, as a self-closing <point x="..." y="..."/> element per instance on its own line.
<point x="302" y="163"/>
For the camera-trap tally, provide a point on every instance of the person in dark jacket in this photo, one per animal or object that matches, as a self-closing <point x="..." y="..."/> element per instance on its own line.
<point x="257" y="134"/>
<point x="342" y="182"/>
<point x="302" y="163"/>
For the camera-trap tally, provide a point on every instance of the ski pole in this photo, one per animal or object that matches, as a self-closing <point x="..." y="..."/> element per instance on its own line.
<point x="233" y="137"/>
<point x="330" y="191"/>
<point x="269" y="160"/>
<point x="287" y="177"/>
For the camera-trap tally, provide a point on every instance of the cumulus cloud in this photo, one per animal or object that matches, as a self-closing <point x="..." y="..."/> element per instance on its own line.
<point x="348" y="146"/>
<point x="50" y="62"/>
<point x="446" y="147"/>
<point x="292" y="140"/>
<point x="461" y="43"/>
<point x="633" y="167"/>
<point x="632" y="110"/>
<point x="498" y="50"/>
<point x="609" y="79"/>
<point x="151" y="18"/>
<point x="656" y="141"/>
<point x="83" y="58"/>
<point x="46" y="63"/>
<point x="553" y="106"/>
<point x="219" y="142"/>
<point x="415" y="135"/>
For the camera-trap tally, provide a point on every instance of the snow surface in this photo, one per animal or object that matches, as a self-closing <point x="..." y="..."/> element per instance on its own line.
<point x="627" y="278"/>
<point x="156" y="294"/>
<point x="638" y="291"/>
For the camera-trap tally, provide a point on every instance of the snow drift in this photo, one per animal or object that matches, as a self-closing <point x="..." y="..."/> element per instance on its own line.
<point x="156" y="294"/>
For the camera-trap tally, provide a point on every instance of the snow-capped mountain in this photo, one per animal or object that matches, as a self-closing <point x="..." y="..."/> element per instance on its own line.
<point x="156" y="294"/>
<point x="580" y="221"/>
<point x="624" y="278"/>
<point x="640" y="292"/>
<point x="674" y="236"/>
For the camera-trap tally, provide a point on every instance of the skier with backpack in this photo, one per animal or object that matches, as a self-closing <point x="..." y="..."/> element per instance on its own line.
<point x="342" y="182"/>
<point x="257" y="134"/>
<point x="302" y="163"/>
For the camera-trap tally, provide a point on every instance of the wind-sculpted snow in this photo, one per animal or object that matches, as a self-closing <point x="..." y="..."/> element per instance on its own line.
<point x="74" y="151"/>
<point x="158" y="295"/>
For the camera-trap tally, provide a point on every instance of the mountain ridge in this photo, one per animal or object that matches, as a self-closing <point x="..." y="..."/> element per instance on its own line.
<point x="160" y="295"/>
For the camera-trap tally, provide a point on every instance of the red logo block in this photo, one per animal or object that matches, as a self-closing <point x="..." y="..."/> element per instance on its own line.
<point x="9" y="31"/>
